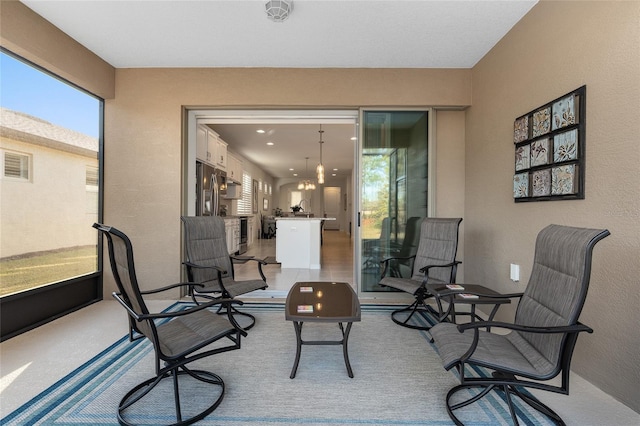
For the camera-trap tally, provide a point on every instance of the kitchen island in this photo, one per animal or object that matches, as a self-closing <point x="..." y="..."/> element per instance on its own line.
<point x="298" y="241"/>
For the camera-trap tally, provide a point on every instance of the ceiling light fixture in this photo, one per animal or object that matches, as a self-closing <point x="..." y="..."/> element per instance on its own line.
<point x="320" y="167"/>
<point x="306" y="184"/>
<point x="278" y="10"/>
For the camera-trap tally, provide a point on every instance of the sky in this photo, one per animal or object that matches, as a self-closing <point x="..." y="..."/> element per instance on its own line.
<point x="26" y="89"/>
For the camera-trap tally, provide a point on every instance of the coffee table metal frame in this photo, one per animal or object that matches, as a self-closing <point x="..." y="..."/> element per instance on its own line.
<point x="347" y="313"/>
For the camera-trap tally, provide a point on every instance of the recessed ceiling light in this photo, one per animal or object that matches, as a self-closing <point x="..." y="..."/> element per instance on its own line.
<point x="295" y="174"/>
<point x="335" y="170"/>
<point x="354" y="138"/>
<point x="291" y="169"/>
<point x="333" y="174"/>
<point x="259" y="131"/>
<point x="270" y="143"/>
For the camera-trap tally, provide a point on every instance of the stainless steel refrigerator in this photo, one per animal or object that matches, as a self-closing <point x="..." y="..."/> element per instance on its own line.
<point x="211" y="185"/>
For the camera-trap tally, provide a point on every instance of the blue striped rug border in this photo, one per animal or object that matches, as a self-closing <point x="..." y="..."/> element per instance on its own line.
<point x="495" y="399"/>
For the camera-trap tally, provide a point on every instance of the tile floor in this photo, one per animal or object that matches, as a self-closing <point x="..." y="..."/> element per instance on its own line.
<point x="336" y="261"/>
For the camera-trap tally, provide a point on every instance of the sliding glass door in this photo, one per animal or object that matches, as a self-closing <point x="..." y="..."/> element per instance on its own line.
<point x="393" y="190"/>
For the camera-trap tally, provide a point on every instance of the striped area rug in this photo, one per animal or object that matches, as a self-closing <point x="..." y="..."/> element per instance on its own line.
<point x="399" y="380"/>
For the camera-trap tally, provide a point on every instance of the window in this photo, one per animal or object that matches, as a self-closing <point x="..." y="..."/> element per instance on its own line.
<point x="16" y="165"/>
<point x="244" y="204"/>
<point x="51" y="137"/>
<point x="296" y="197"/>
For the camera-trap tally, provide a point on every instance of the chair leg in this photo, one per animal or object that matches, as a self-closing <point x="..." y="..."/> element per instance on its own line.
<point x="236" y="313"/>
<point x="506" y="389"/>
<point x="418" y="305"/>
<point x="127" y="414"/>
<point x="538" y="405"/>
<point x="222" y="310"/>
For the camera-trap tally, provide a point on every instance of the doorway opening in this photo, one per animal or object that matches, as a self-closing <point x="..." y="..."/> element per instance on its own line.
<point x="254" y="137"/>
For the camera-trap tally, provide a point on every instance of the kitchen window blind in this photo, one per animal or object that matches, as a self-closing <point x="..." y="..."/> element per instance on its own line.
<point x="244" y="204"/>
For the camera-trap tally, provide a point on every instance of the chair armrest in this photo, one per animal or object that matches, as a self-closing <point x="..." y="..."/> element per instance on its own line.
<point x="576" y="328"/>
<point x="480" y="294"/>
<point x="219" y="270"/>
<point x="259" y="261"/>
<point x="476" y="326"/>
<point x="195" y="265"/>
<point x="165" y="315"/>
<point x="386" y="261"/>
<point x="425" y="271"/>
<point x="248" y="259"/>
<point x="444" y="265"/>
<point x="169" y="287"/>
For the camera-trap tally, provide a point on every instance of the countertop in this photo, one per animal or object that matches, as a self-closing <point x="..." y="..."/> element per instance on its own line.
<point x="303" y="218"/>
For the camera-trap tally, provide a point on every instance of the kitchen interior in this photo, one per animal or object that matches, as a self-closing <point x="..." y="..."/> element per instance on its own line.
<point x="262" y="177"/>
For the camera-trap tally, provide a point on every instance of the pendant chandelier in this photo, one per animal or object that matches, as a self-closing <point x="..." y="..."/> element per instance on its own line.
<point x="320" y="167"/>
<point x="306" y="184"/>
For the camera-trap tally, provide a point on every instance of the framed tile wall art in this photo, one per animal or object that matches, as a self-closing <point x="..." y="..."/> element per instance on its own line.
<point x="550" y="150"/>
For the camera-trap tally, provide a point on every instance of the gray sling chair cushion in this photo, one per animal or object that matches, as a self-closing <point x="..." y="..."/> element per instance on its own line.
<point x="554" y="297"/>
<point x="206" y="252"/>
<point x="540" y="342"/>
<point x="438" y="245"/>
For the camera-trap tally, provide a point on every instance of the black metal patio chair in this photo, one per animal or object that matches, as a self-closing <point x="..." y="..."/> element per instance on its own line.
<point x="434" y="262"/>
<point x="540" y="342"/>
<point x="209" y="263"/>
<point x="179" y="338"/>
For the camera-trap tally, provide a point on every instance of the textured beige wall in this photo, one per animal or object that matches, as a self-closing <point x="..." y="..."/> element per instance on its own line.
<point x="450" y="174"/>
<point x="143" y="134"/>
<point x="37" y="40"/>
<point x="555" y="48"/>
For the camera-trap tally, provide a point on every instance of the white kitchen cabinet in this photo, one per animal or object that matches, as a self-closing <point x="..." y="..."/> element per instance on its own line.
<point x="220" y="154"/>
<point x="234" y="169"/>
<point x="202" y="145"/>
<point x="250" y="232"/>
<point x="210" y="148"/>
<point x="232" y="230"/>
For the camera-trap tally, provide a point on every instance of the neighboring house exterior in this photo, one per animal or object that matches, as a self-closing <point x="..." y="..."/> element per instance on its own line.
<point x="41" y="164"/>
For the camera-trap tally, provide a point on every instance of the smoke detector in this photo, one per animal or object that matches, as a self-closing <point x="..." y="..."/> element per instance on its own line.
<point x="278" y="10"/>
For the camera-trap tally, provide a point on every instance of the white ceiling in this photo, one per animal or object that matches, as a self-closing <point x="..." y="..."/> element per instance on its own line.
<point x="292" y="143"/>
<point x="317" y="34"/>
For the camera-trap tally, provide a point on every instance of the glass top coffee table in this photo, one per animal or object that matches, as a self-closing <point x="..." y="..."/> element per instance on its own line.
<point x="320" y="301"/>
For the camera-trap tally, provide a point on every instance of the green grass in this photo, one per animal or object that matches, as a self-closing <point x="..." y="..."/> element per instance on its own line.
<point x="19" y="273"/>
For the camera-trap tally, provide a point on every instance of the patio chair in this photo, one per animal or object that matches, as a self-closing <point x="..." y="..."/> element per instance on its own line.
<point x="540" y="342"/>
<point x="434" y="262"/>
<point x="178" y="338"/>
<point x="209" y="263"/>
<point x="373" y="250"/>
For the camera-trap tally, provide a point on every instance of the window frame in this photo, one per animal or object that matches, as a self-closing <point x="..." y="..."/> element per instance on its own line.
<point x="29" y="165"/>
<point x="26" y="310"/>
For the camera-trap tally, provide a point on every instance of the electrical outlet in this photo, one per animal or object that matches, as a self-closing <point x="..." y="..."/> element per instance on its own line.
<point x="515" y="272"/>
